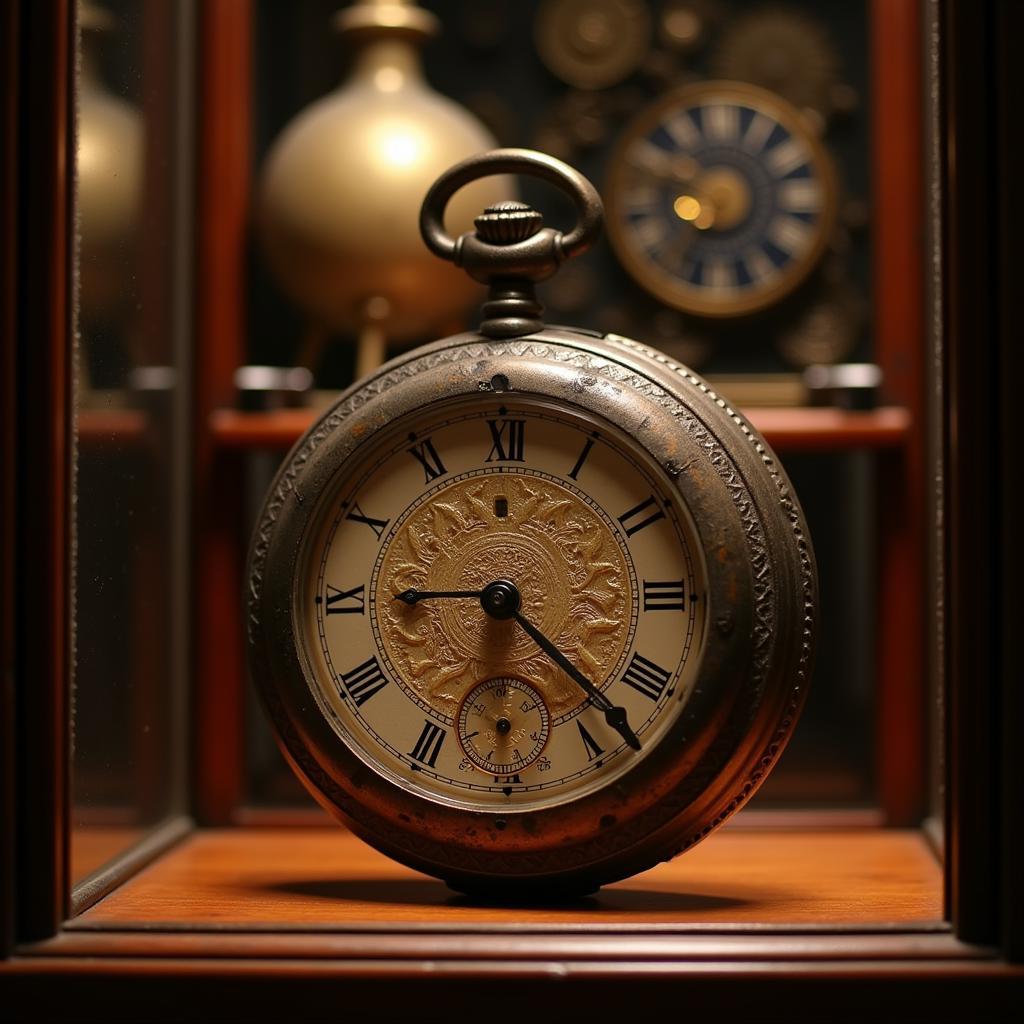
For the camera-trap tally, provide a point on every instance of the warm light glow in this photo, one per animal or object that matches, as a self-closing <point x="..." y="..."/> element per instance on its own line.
<point x="400" y="148"/>
<point x="699" y="213"/>
<point x="687" y="208"/>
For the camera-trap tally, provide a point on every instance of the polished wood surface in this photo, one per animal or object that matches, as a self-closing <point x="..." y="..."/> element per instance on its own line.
<point x="798" y="429"/>
<point x="93" y="846"/>
<point x="318" y="877"/>
<point x="224" y="130"/>
<point x="899" y="260"/>
<point x="9" y="446"/>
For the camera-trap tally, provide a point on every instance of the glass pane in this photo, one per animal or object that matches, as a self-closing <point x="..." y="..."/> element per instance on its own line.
<point x="130" y="497"/>
<point x="507" y="65"/>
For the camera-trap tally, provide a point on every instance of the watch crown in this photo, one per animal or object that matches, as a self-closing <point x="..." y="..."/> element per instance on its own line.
<point x="508" y="222"/>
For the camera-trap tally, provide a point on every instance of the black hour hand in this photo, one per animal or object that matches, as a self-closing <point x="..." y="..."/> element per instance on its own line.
<point x="413" y="596"/>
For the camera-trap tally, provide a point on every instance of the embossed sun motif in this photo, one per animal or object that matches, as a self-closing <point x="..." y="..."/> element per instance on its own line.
<point x="576" y="581"/>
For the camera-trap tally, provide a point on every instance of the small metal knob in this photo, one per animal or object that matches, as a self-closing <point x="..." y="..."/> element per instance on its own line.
<point x="507" y="223"/>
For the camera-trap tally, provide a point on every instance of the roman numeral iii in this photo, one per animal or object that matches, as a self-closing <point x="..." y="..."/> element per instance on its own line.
<point x="664" y="596"/>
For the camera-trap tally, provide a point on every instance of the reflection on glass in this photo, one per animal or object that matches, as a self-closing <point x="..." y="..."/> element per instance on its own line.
<point x="128" y="521"/>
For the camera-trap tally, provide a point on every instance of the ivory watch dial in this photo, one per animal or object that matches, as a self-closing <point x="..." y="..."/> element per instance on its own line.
<point x="721" y="199"/>
<point x="458" y="706"/>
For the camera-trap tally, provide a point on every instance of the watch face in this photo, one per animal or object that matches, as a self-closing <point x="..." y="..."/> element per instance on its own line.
<point x="471" y="708"/>
<point x="721" y="199"/>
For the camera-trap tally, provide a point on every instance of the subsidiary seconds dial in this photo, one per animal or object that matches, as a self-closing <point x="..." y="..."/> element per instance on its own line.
<point x="503" y="727"/>
<point x="721" y="199"/>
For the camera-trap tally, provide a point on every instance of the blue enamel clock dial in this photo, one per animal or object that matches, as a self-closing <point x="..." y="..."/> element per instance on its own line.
<point x="721" y="199"/>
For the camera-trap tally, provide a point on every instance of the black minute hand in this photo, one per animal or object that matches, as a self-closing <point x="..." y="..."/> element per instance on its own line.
<point x="614" y="716"/>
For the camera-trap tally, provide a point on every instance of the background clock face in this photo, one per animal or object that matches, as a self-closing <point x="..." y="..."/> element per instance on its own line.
<point x="720" y="199"/>
<point x="457" y="706"/>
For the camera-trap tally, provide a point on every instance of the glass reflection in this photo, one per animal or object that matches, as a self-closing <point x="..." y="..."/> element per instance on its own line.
<point x="129" y="506"/>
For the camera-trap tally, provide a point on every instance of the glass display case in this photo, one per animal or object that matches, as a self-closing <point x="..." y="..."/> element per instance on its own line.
<point x="168" y="334"/>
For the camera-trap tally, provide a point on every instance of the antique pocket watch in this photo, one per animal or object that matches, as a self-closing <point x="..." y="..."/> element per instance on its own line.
<point x="530" y="608"/>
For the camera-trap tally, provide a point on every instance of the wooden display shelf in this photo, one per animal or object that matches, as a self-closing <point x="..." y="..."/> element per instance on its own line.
<point x="271" y="924"/>
<point x="252" y="878"/>
<point x="786" y="430"/>
<point x="111" y="429"/>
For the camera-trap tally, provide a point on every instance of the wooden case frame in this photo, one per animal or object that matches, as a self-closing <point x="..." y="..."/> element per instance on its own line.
<point x="976" y="216"/>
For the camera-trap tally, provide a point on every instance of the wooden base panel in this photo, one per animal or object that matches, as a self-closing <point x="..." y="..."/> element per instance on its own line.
<point x="320" y="878"/>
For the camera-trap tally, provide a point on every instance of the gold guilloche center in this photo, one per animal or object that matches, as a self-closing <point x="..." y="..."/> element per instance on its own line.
<point x="574" y="577"/>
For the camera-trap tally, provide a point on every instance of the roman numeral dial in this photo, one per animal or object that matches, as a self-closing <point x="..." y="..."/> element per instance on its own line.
<point x="453" y="698"/>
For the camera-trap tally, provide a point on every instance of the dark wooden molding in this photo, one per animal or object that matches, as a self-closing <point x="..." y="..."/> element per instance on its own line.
<point x="222" y="211"/>
<point x="430" y="988"/>
<point x="981" y="94"/>
<point x="43" y="461"/>
<point x="9" y="48"/>
<point x="1009" y="30"/>
<point x="898" y="260"/>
